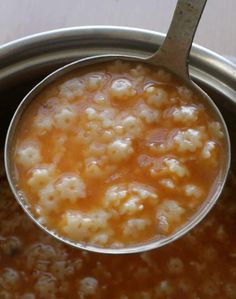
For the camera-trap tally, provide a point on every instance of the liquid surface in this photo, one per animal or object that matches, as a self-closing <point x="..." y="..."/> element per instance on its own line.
<point x="117" y="155"/>
<point x="202" y="264"/>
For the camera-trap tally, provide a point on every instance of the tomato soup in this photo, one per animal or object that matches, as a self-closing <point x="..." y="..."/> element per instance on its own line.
<point x="34" y="265"/>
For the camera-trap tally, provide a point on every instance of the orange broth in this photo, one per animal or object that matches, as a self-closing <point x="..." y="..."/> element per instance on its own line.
<point x="202" y="264"/>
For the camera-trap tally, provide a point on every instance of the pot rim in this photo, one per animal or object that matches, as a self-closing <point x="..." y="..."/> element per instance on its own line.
<point x="205" y="65"/>
<point x="7" y="48"/>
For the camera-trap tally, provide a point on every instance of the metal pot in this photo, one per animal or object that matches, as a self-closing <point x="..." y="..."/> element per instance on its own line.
<point x="24" y="62"/>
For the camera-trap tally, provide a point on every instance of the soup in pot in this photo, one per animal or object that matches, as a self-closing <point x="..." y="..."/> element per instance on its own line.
<point x="34" y="265"/>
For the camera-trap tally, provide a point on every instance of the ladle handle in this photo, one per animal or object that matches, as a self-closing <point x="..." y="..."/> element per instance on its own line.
<point x="174" y="52"/>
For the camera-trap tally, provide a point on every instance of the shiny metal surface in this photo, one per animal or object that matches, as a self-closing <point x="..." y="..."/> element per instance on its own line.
<point x="229" y="89"/>
<point x="174" y="51"/>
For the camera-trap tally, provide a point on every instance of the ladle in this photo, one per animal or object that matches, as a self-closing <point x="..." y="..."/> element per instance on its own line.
<point x="173" y="55"/>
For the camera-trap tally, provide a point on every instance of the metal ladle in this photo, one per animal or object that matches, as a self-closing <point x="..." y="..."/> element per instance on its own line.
<point x="173" y="55"/>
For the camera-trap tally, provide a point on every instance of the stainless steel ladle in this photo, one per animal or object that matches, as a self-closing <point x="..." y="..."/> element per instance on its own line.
<point x="173" y="55"/>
